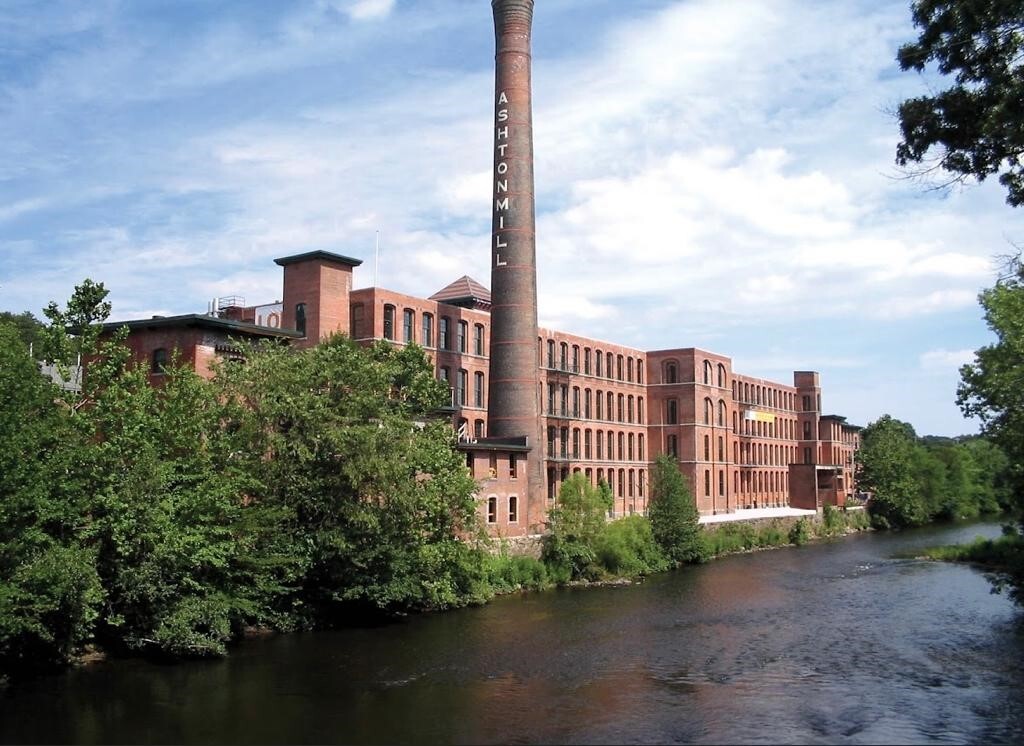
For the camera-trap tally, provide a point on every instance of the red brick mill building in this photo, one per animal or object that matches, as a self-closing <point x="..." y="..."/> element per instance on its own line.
<point x="607" y="411"/>
<point x="531" y="405"/>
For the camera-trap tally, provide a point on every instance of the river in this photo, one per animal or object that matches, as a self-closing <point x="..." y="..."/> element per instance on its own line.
<point x="834" y="642"/>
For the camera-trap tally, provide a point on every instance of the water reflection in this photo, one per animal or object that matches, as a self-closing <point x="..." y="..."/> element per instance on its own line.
<point x="836" y="643"/>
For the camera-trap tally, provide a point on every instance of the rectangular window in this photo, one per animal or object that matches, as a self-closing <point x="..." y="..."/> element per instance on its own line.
<point x="463" y="331"/>
<point x="389" y="322"/>
<point x="586" y="360"/>
<point x="492" y="510"/>
<point x="444" y="334"/>
<point x="408" y="322"/>
<point x="460" y="388"/>
<point x="513" y="466"/>
<point x="428" y="330"/>
<point x="478" y="389"/>
<point x="513" y="509"/>
<point x="478" y="339"/>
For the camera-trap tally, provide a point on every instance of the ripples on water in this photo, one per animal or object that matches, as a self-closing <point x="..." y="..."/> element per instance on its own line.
<point x="830" y="643"/>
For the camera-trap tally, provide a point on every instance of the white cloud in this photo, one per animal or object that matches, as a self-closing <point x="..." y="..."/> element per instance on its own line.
<point x="363" y="10"/>
<point x="943" y="359"/>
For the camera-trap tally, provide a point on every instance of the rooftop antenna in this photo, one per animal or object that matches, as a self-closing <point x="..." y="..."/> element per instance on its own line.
<point x="376" y="259"/>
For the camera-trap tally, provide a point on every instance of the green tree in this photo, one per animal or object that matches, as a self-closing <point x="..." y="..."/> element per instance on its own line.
<point x="372" y="504"/>
<point x="885" y="467"/>
<point x="992" y="387"/>
<point x="29" y="329"/>
<point x="977" y="124"/>
<point x="574" y="525"/>
<point x="673" y="513"/>
<point x="49" y="589"/>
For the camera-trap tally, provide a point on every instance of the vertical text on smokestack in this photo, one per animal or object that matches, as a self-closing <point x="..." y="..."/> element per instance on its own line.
<point x="501" y="185"/>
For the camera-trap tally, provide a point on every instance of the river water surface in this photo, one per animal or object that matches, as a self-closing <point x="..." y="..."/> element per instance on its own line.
<point x="837" y="642"/>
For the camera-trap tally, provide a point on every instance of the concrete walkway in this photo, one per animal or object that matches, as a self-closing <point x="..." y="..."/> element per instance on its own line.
<point x="751" y="514"/>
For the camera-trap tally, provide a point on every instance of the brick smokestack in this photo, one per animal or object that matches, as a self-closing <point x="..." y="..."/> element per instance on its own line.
<point x="513" y="409"/>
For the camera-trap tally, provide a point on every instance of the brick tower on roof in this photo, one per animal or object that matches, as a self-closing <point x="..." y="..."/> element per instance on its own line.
<point x="513" y="407"/>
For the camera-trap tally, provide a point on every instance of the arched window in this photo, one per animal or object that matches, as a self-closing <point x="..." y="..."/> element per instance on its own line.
<point x="631" y="442"/>
<point x="563" y="356"/>
<point x="576" y="443"/>
<point x="462" y="338"/>
<point x="609" y="365"/>
<point x="600" y="405"/>
<point x="629" y="409"/>
<point x="707" y="483"/>
<point x="611" y="407"/>
<point x="586" y="361"/>
<point x="551" y="353"/>
<point x="428" y="330"/>
<point x="588" y="440"/>
<point x="707" y="448"/>
<point x="575" y="401"/>
<point x="444" y="339"/>
<point x="721" y="482"/>
<point x="575" y="358"/>
<point x="618" y="367"/>
<point x="629" y="369"/>
<point x="600" y="447"/>
<point x="598" y="362"/>
<point x="640" y="410"/>
<point x="671" y="372"/>
<point x="551" y="442"/>
<point x="478" y="389"/>
<point x="621" y="410"/>
<point x="708" y="372"/>
<point x="389" y="322"/>
<point x="671" y="412"/>
<point x="513" y="509"/>
<point x="721" y="413"/>
<point x="721" y="448"/>
<point x="640" y="446"/>
<point x="588" y="399"/>
<point x="708" y="411"/>
<point x="622" y="449"/>
<point x="721" y="375"/>
<point x="408" y="325"/>
<point x="159" y="361"/>
<point x="639" y="373"/>
<point x="300" y="317"/>
<point x="478" y="339"/>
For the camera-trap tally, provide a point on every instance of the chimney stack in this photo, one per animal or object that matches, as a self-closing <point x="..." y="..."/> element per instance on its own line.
<point x="513" y="406"/>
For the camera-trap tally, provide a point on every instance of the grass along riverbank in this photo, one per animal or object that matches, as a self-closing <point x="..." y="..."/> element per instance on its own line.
<point x="625" y="550"/>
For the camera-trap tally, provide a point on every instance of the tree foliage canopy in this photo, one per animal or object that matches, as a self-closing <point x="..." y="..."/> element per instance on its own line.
<point x="992" y="387"/>
<point x="673" y="513"/>
<point x="977" y="124"/>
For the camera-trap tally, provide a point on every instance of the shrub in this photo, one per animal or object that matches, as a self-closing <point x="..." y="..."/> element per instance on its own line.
<point x="627" y="547"/>
<point x="800" y="533"/>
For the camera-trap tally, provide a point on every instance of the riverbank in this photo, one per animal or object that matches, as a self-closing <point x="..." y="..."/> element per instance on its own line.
<point x="626" y="553"/>
<point x="1001" y="558"/>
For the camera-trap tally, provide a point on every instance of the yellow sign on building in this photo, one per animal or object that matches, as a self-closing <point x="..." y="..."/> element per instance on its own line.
<point x="759" y="416"/>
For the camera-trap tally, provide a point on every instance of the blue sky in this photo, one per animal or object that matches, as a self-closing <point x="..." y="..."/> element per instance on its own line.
<point x="710" y="173"/>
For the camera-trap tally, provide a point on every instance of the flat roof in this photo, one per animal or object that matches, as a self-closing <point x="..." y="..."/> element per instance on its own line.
<point x="325" y="256"/>
<point x="204" y="320"/>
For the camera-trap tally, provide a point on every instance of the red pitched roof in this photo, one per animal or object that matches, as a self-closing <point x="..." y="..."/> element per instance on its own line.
<point x="463" y="291"/>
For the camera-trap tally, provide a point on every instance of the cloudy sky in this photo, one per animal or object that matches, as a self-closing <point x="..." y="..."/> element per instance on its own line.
<point x="710" y="173"/>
